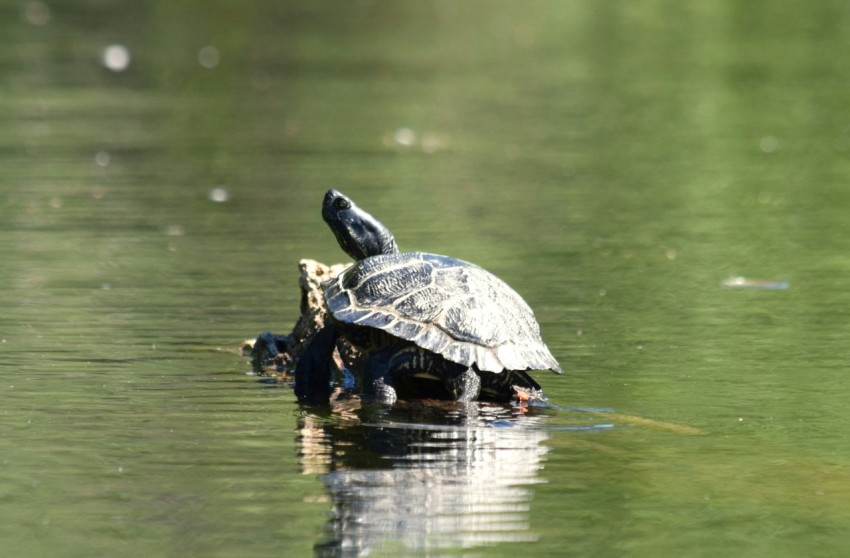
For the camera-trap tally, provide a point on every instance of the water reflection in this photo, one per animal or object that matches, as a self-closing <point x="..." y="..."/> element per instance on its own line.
<point x="421" y="476"/>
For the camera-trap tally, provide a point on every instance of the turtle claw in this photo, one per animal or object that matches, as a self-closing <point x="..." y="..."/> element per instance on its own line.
<point x="528" y="395"/>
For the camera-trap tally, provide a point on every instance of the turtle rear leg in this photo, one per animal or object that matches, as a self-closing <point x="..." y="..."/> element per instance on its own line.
<point x="505" y="386"/>
<point x="411" y="372"/>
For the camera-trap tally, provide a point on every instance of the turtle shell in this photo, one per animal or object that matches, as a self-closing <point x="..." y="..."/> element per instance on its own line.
<point x="444" y="305"/>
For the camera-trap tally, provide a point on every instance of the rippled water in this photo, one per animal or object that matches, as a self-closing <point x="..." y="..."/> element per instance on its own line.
<point x="628" y="168"/>
<point x="442" y="479"/>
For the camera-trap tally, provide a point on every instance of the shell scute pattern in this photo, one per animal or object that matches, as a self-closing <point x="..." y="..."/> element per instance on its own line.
<point x="471" y="321"/>
<point x="423" y="305"/>
<point x="404" y="329"/>
<point x="445" y="305"/>
<point x="337" y="300"/>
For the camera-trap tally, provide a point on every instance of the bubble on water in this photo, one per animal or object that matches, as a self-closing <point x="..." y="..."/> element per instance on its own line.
<point x="260" y="82"/>
<point x="209" y="57"/>
<point x="37" y="13"/>
<point x="219" y="195"/>
<point x="431" y="142"/>
<point x="102" y="159"/>
<point x="116" y="58"/>
<point x="768" y="144"/>
<point x="404" y="137"/>
<point x="291" y="128"/>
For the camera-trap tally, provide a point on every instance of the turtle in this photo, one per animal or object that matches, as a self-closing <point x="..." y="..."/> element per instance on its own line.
<point x="428" y="326"/>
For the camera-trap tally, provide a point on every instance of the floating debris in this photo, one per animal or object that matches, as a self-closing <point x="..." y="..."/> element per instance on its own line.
<point x="744" y="283"/>
<point x="660" y="425"/>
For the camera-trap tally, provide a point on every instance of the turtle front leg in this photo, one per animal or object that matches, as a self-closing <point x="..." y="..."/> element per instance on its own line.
<point x="377" y="381"/>
<point x="462" y="382"/>
<point x="313" y="372"/>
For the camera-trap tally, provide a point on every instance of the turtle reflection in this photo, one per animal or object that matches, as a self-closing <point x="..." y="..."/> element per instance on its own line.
<point x="418" y="476"/>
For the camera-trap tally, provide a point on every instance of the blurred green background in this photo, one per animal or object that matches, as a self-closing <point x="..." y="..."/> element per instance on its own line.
<point x="161" y="171"/>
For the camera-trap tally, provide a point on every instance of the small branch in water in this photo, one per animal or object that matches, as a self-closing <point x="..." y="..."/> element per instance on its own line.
<point x="766" y="285"/>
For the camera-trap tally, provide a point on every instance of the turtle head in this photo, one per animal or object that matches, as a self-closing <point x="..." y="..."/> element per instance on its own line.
<point x="359" y="234"/>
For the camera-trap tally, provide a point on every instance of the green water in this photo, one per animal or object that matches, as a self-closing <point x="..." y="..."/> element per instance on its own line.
<point x="614" y="161"/>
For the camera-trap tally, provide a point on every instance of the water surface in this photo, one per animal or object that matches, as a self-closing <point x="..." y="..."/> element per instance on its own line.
<point x="615" y="163"/>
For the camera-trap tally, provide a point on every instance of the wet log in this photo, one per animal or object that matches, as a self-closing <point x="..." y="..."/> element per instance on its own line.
<point x="313" y="316"/>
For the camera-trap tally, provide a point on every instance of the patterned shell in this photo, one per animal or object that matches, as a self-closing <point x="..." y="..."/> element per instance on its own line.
<point x="444" y="305"/>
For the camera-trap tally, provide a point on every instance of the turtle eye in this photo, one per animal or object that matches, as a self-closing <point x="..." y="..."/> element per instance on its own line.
<point x="342" y="203"/>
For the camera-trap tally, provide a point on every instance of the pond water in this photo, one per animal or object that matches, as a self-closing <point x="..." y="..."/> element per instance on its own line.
<point x="617" y="163"/>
